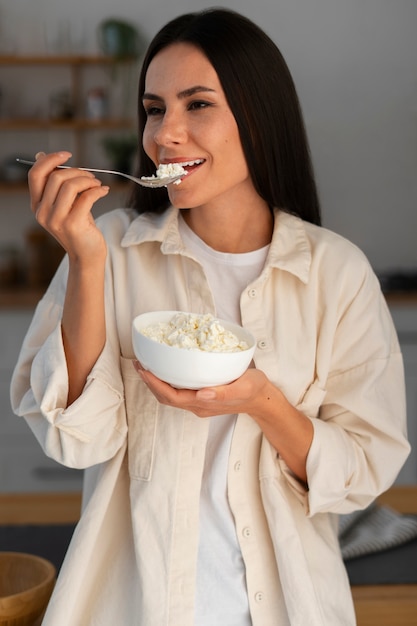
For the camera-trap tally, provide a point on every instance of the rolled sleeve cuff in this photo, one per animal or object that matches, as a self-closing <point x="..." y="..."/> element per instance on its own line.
<point x="330" y="466"/>
<point x="96" y="420"/>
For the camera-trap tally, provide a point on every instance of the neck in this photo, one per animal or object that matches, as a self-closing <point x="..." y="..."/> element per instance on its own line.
<point x="230" y="230"/>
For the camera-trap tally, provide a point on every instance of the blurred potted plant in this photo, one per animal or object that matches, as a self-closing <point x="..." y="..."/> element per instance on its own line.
<point x="120" y="39"/>
<point x="122" y="42"/>
<point x="120" y="150"/>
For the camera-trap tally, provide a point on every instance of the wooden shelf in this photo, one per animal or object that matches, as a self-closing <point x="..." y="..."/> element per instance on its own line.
<point x="117" y="184"/>
<point x="18" y="187"/>
<point x="81" y="130"/>
<point x="71" y="124"/>
<point x="62" y="60"/>
<point x="20" y="297"/>
<point x="401" y="297"/>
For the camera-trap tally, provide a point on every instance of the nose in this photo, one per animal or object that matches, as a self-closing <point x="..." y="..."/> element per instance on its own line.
<point x="170" y="130"/>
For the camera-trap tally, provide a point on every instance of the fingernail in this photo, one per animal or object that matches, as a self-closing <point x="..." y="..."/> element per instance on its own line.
<point x="206" y="394"/>
<point x="39" y="154"/>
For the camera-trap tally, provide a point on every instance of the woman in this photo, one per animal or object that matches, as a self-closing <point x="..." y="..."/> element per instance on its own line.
<point x="213" y="506"/>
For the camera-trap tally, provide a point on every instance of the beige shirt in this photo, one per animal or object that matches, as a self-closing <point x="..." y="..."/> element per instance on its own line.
<point x="324" y="336"/>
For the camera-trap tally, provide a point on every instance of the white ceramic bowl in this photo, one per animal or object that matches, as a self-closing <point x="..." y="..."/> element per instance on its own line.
<point x="189" y="369"/>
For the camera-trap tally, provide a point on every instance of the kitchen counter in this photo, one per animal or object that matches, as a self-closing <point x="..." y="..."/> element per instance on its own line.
<point x="376" y="605"/>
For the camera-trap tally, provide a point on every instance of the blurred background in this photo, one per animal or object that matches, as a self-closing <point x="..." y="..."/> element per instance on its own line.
<point x="68" y="74"/>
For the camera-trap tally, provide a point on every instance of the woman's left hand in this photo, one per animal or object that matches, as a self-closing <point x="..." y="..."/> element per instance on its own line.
<point x="239" y="396"/>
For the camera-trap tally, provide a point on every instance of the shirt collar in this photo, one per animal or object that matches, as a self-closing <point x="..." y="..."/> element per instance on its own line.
<point x="290" y="248"/>
<point x="149" y="227"/>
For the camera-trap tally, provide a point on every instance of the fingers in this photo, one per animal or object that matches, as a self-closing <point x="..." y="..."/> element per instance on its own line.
<point x="62" y="199"/>
<point x="165" y="393"/>
<point x="61" y="190"/>
<point x="40" y="172"/>
<point x="46" y="181"/>
<point x="65" y="193"/>
<point x="236" y="397"/>
<point x="202" y="403"/>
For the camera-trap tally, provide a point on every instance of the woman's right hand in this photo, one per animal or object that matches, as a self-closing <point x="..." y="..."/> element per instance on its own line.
<point x="61" y="200"/>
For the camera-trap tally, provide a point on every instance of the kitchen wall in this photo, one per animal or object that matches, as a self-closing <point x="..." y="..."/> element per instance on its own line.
<point x="355" y="67"/>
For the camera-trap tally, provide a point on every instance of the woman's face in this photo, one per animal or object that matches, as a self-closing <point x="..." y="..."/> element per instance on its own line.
<point x="189" y="122"/>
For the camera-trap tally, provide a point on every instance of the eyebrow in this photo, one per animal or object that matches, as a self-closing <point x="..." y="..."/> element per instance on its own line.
<point x="186" y="93"/>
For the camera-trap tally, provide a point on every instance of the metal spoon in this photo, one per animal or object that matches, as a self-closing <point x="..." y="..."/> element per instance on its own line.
<point x="145" y="181"/>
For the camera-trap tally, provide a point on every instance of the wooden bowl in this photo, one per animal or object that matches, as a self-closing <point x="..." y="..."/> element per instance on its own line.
<point x="26" y="584"/>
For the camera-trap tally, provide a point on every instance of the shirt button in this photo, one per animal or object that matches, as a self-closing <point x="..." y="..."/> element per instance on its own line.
<point x="259" y="596"/>
<point x="262" y="344"/>
<point x="252" y="293"/>
<point x="246" y="532"/>
<point x="238" y="465"/>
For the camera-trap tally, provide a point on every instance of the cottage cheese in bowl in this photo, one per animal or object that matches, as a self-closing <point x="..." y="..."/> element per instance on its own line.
<point x="190" y="350"/>
<point x="195" y="332"/>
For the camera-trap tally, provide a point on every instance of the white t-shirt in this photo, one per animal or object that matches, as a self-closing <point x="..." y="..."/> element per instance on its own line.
<point x="221" y="596"/>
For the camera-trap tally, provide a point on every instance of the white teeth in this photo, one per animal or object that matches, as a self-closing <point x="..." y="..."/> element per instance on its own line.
<point x="189" y="163"/>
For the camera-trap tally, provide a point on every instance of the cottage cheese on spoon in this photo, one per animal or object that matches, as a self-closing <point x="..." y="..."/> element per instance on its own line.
<point x="167" y="170"/>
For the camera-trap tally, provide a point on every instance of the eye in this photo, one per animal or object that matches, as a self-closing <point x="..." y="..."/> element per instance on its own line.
<point x="153" y="110"/>
<point x="198" y="104"/>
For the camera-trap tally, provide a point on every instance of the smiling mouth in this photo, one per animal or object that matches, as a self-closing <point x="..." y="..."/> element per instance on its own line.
<point x="173" y="172"/>
<point x="189" y="166"/>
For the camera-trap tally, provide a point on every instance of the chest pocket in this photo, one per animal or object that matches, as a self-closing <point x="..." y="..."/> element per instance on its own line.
<point x="142" y="417"/>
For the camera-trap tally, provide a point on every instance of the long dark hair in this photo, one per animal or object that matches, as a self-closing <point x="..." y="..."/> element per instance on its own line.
<point x="261" y="94"/>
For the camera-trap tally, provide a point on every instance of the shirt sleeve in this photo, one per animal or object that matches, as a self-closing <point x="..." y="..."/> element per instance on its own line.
<point x="356" y="403"/>
<point x="93" y="428"/>
<point x="359" y="442"/>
